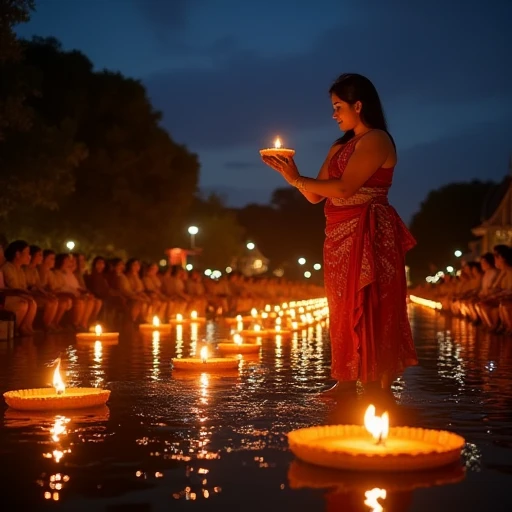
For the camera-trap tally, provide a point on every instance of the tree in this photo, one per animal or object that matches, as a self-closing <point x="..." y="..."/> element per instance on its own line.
<point x="289" y="228"/>
<point x="443" y="224"/>
<point x="14" y="88"/>
<point x="135" y="187"/>
<point x="221" y="237"/>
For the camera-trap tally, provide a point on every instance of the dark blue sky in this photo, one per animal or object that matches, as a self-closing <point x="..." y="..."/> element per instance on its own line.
<point x="229" y="76"/>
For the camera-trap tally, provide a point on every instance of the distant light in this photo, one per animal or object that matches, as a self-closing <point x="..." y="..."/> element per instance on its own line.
<point x="216" y="274"/>
<point x="257" y="264"/>
<point x="317" y="266"/>
<point x="193" y="230"/>
<point x="250" y="246"/>
<point x="229" y="270"/>
<point x="189" y="266"/>
<point x="279" y="272"/>
<point x="458" y="253"/>
<point x="70" y="245"/>
<point x="449" y="268"/>
<point x="207" y="272"/>
<point x="307" y="274"/>
<point x="163" y="262"/>
<point x="302" y="261"/>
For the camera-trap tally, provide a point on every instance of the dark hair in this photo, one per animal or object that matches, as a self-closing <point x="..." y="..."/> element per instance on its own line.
<point x="130" y="263"/>
<point x="13" y="248"/>
<point x="60" y="259"/>
<point x="352" y="87"/>
<point x="47" y="252"/>
<point x="505" y="252"/>
<point x="475" y="264"/>
<point x="34" y="249"/>
<point x="489" y="258"/>
<point x="95" y="260"/>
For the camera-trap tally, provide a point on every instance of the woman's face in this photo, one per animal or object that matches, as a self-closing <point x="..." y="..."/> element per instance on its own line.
<point x="99" y="266"/>
<point x="119" y="268"/>
<point x="498" y="261"/>
<point x="71" y="263"/>
<point x="135" y="267"/>
<point x="49" y="261"/>
<point x="484" y="264"/>
<point x="346" y="115"/>
<point x="37" y="258"/>
<point x="152" y="270"/>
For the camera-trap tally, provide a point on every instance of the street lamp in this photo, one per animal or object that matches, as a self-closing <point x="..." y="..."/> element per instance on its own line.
<point x="250" y="246"/>
<point x="70" y="245"/>
<point x="302" y="261"/>
<point x="458" y="253"/>
<point x="192" y="231"/>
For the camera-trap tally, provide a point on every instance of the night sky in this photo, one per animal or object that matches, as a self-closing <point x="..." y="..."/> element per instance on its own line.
<point x="231" y="75"/>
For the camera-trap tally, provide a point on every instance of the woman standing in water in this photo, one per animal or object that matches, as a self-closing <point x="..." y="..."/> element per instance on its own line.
<point x="365" y="242"/>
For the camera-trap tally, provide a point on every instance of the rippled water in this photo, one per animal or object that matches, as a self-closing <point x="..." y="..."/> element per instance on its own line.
<point x="171" y="441"/>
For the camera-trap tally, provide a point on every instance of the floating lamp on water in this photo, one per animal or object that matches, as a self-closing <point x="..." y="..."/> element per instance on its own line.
<point x="375" y="446"/>
<point x="237" y="346"/>
<point x="195" y="318"/>
<point x="155" y="325"/>
<point x="255" y="331"/>
<point x="97" y="335"/>
<point x="59" y="397"/>
<point x="204" y="362"/>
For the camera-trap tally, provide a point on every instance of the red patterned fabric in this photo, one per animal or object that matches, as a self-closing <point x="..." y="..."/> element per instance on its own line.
<point x="364" y="269"/>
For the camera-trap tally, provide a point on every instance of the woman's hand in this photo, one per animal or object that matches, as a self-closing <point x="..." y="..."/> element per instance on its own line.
<point x="284" y="165"/>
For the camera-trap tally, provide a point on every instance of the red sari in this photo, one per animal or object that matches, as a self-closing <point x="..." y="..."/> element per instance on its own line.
<point x="364" y="269"/>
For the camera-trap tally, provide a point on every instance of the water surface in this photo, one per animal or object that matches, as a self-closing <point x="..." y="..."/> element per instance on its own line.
<point x="174" y="441"/>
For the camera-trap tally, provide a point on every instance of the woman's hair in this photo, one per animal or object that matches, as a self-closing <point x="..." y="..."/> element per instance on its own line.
<point x="505" y="252"/>
<point x="95" y="261"/>
<point x="47" y="252"/>
<point x="350" y="88"/>
<point x="13" y="248"/>
<point x="34" y="249"/>
<point x="130" y="263"/>
<point x="60" y="259"/>
<point x="489" y="258"/>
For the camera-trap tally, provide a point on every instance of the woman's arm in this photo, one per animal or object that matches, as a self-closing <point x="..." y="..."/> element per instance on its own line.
<point x="323" y="174"/>
<point x="370" y="153"/>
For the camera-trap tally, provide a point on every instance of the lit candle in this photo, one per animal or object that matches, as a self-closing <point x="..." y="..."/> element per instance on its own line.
<point x="237" y="339"/>
<point x="378" y="426"/>
<point x="277" y="150"/>
<point x="204" y="354"/>
<point x="179" y="317"/>
<point x="97" y="330"/>
<point x="58" y="383"/>
<point x="156" y="321"/>
<point x="254" y="312"/>
<point x="193" y="314"/>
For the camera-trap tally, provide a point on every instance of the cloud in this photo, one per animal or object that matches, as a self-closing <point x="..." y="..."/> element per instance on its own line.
<point x="439" y="57"/>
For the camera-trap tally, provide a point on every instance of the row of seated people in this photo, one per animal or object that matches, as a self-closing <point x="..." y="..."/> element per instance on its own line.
<point x="482" y="292"/>
<point x="64" y="290"/>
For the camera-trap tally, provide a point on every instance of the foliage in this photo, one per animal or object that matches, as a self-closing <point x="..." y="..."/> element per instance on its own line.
<point x="131" y="185"/>
<point x="443" y="224"/>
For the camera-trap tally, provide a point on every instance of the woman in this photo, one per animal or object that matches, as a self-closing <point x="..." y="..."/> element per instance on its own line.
<point x="366" y="241"/>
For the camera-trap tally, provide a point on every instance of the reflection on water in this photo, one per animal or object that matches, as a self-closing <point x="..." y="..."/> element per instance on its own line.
<point x="219" y="439"/>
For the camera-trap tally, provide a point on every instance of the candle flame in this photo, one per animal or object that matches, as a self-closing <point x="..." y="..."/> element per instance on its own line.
<point x="156" y="321"/>
<point x="97" y="330"/>
<point x="58" y="383"/>
<point x="277" y="143"/>
<point x="193" y="314"/>
<point x="179" y="317"/>
<point x="257" y="328"/>
<point x="372" y="496"/>
<point x="254" y="312"/>
<point x="238" y="318"/>
<point x="237" y="339"/>
<point x="378" y="426"/>
<point x="204" y="354"/>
